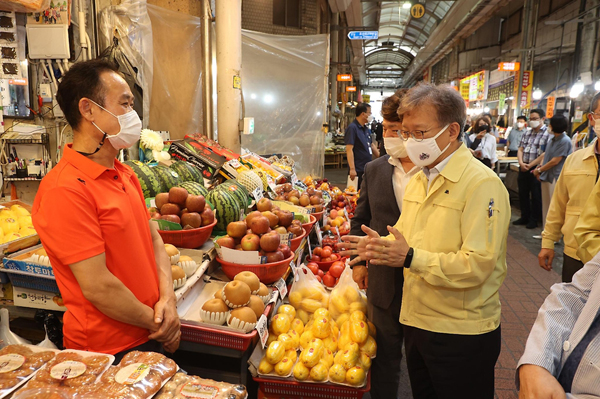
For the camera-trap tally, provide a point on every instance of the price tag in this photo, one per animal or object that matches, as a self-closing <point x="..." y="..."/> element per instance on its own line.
<point x="284" y="239"/>
<point x="263" y="330"/>
<point x="294" y="179"/>
<point x="281" y="287"/>
<point x="273" y="297"/>
<point x="271" y="183"/>
<point x="319" y="234"/>
<point x="294" y="270"/>
<point x="235" y="163"/>
<point x="309" y="248"/>
<point x="257" y="194"/>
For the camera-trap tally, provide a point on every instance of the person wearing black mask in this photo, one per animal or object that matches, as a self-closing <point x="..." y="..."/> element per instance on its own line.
<point x="483" y="143"/>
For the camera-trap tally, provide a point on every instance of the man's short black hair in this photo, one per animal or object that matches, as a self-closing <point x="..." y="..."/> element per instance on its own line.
<point x="361" y="108"/>
<point x="82" y="80"/>
<point x="539" y="111"/>
<point x="559" y="123"/>
<point x="522" y="117"/>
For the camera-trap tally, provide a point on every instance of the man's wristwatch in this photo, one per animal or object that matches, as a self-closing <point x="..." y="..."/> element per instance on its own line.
<point x="408" y="258"/>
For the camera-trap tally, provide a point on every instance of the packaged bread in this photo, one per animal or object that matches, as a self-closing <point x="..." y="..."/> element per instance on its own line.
<point x="184" y="386"/>
<point x="18" y="362"/>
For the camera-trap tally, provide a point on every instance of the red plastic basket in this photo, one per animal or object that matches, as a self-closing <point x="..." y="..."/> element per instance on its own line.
<point x="294" y="389"/>
<point x="318" y="215"/>
<point x="268" y="273"/>
<point x="192" y="238"/>
<point x="325" y="265"/>
<point x="308" y="226"/>
<point x="207" y="335"/>
<point x="295" y="243"/>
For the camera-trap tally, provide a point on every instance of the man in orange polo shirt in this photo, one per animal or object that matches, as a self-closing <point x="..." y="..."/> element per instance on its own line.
<point x="109" y="260"/>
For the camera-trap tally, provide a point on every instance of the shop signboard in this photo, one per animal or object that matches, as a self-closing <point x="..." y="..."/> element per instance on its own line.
<point x="363" y="35"/>
<point x="350" y="88"/>
<point x="501" y="101"/>
<point x="464" y="90"/>
<point x="550" y="103"/>
<point x="477" y="86"/>
<point x="366" y="98"/>
<point x="344" y="77"/>
<point x="509" y="66"/>
<point x="526" y="89"/>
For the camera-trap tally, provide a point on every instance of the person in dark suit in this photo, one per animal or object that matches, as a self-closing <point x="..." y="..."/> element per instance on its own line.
<point x="378" y="206"/>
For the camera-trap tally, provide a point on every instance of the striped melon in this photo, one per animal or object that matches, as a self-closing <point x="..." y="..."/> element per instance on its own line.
<point x="148" y="180"/>
<point x="194" y="188"/>
<point x="168" y="177"/>
<point x="187" y="171"/>
<point x="238" y="191"/>
<point x="226" y="206"/>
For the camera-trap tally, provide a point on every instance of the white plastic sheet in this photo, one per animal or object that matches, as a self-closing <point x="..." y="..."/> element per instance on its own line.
<point x="284" y="86"/>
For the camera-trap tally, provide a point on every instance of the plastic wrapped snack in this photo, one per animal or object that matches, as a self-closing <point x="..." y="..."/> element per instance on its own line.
<point x="185" y="386"/>
<point x="17" y="362"/>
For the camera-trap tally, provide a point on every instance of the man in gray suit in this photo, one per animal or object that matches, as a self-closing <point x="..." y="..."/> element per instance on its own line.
<point x="378" y="206"/>
<point x="562" y="355"/>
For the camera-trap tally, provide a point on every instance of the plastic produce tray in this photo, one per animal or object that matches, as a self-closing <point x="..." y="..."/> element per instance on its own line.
<point x="32" y="281"/>
<point x="295" y="389"/>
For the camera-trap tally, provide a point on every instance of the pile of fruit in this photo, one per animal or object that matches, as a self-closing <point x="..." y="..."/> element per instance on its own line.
<point x="15" y="223"/>
<point x="160" y="179"/>
<point x="339" y="199"/>
<point x="337" y="219"/>
<point x="311" y="199"/>
<point x="179" y="206"/>
<point x="262" y="231"/>
<point x="330" y="277"/>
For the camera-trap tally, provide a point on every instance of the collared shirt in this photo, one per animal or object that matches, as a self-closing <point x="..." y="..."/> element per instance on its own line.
<point x="514" y="138"/>
<point x="534" y="144"/>
<point x="587" y="230"/>
<point x="434" y="172"/>
<point x="458" y="231"/>
<point x="487" y="146"/>
<point x="558" y="146"/>
<point x="360" y="137"/>
<point x="83" y="209"/>
<point x="400" y="179"/>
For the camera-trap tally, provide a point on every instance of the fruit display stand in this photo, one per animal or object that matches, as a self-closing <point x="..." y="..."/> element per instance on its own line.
<point x="272" y="388"/>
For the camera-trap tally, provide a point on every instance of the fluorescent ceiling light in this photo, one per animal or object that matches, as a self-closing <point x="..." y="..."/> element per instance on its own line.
<point x="407" y="5"/>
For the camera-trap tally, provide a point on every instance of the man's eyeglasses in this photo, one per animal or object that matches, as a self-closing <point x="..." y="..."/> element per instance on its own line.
<point x="418" y="135"/>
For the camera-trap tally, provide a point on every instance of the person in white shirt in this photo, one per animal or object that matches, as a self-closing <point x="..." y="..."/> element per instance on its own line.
<point x="484" y="143"/>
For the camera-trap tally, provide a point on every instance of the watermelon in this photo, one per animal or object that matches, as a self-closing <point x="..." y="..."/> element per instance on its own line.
<point x="227" y="209"/>
<point x="238" y="191"/>
<point x="187" y="171"/>
<point x="194" y="188"/>
<point x="168" y="177"/>
<point x="150" y="184"/>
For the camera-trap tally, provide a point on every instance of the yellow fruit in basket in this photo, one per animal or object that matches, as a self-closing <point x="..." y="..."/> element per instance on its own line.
<point x="351" y="294"/>
<point x="265" y="367"/>
<point x="293" y="355"/>
<point x="335" y="331"/>
<point x="358" y="306"/>
<point x="275" y="352"/>
<point x="345" y="330"/>
<point x="24" y="221"/>
<point x="359" y="331"/>
<point x="317" y="344"/>
<point x="27" y="231"/>
<point x="325" y="301"/>
<point x="287" y="341"/>
<point x="272" y="337"/>
<point x="288" y="310"/>
<point x="284" y="367"/>
<point x="303" y="316"/>
<point x="18" y="210"/>
<point x="295" y="338"/>
<point x="358" y="315"/>
<point x="331" y="343"/>
<point x="319" y="372"/>
<point x="298" y="326"/>
<point x="11" y="237"/>
<point x="340" y="303"/>
<point x="356" y="376"/>
<point x="301" y="372"/>
<point x="365" y="361"/>
<point x="311" y="293"/>
<point x="308" y="325"/>
<point x="337" y="373"/>
<point x="310" y="357"/>
<point x="322" y="312"/>
<point x="344" y="341"/>
<point x="344" y="317"/>
<point x="327" y="358"/>
<point x="281" y="323"/>
<point x="310" y="305"/>
<point x="372" y="329"/>
<point x="349" y="357"/>
<point x="321" y="328"/>
<point x="369" y="347"/>
<point x="9" y="225"/>
<point x="305" y="338"/>
<point x="295" y="299"/>
<point x="7" y="214"/>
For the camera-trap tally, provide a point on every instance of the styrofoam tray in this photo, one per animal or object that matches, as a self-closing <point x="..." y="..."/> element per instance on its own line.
<point x="36" y="349"/>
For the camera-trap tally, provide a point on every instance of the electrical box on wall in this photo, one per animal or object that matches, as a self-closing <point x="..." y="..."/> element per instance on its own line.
<point x="48" y="42"/>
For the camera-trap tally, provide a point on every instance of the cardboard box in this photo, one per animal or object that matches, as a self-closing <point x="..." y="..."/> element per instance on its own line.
<point x="38" y="299"/>
<point x="214" y="146"/>
<point x="202" y="157"/>
<point x="18" y="261"/>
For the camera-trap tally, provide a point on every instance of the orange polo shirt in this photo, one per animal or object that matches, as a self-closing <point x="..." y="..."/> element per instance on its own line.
<point x="81" y="210"/>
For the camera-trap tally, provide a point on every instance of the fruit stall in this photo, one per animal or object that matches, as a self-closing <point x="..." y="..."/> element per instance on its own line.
<point x="262" y="292"/>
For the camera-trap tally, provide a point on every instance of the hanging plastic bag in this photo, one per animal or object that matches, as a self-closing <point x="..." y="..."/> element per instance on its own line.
<point x="308" y="295"/>
<point x="8" y="337"/>
<point x="46" y="343"/>
<point x="346" y="298"/>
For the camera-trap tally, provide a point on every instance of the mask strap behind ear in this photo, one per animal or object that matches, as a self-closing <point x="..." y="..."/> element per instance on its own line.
<point x="87" y="154"/>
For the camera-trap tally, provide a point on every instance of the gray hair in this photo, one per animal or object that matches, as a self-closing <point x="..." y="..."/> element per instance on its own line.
<point x="447" y="101"/>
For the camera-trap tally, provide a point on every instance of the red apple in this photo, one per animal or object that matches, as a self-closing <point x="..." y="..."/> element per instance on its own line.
<point x="264" y="204"/>
<point x="236" y="229"/>
<point x="195" y="203"/>
<point x="273" y="219"/>
<point x="178" y="195"/>
<point x="329" y="280"/>
<point x="170" y="209"/>
<point x="251" y="216"/>
<point x="259" y="224"/>
<point x="192" y="219"/>
<point x="171" y="218"/>
<point x="281" y="230"/>
<point x="285" y="218"/>
<point x="285" y="250"/>
<point x="226" y="242"/>
<point x="161" y="199"/>
<point x="156" y="215"/>
<point x="270" y="242"/>
<point x="208" y="216"/>
<point x="251" y="242"/>
<point x="276" y="256"/>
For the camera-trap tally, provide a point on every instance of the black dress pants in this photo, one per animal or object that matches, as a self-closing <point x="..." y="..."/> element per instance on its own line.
<point x="450" y="366"/>
<point x="530" y="197"/>
<point x="570" y="267"/>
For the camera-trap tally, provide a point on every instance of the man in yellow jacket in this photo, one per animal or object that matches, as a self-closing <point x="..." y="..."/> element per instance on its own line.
<point x="451" y="240"/>
<point x="587" y="230"/>
<point x="573" y="188"/>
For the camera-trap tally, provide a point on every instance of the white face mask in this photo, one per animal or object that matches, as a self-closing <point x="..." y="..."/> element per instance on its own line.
<point x="395" y="147"/>
<point x="370" y="118"/>
<point x="424" y="153"/>
<point x="520" y="125"/>
<point x="534" y="124"/>
<point x="129" y="132"/>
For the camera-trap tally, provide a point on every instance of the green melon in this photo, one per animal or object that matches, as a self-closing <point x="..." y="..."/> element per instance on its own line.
<point x="238" y="191"/>
<point x="168" y="177"/>
<point x="226" y="206"/>
<point x="187" y="171"/>
<point x="194" y="188"/>
<point x="148" y="180"/>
